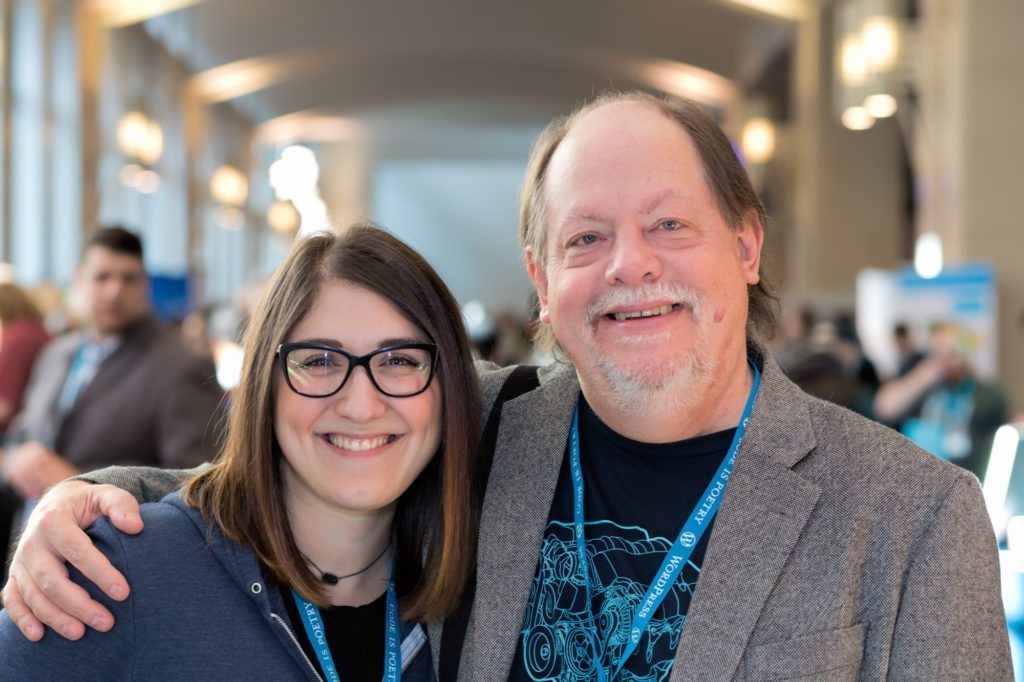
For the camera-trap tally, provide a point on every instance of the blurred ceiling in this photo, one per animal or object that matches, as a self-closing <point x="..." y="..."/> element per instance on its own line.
<point x="465" y="62"/>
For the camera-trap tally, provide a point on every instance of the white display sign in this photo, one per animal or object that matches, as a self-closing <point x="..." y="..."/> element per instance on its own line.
<point x="964" y="294"/>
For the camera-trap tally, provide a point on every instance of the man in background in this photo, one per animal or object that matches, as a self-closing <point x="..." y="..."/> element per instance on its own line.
<point x="907" y="354"/>
<point x="942" y="406"/>
<point x="121" y="390"/>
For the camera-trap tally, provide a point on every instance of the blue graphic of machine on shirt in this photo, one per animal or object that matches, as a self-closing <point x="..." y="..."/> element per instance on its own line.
<point x="556" y="630"/>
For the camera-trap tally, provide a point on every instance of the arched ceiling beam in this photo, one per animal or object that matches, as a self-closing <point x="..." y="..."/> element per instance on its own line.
<point x="445" y="65"/>
<point x="790" y="10"/>
<point x="120" y="13"/>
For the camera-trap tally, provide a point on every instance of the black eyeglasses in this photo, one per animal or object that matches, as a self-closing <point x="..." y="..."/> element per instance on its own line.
<point x="317" y="371"/>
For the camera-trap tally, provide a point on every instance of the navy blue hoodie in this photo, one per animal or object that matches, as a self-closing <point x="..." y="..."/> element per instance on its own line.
<point x="201" y="608"/>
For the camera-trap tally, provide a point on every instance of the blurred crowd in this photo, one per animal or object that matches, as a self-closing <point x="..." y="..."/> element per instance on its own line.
<point x="934" y="396"/>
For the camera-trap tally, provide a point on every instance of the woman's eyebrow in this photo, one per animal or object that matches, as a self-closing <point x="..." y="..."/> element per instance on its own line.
<point x="397" y="341"/>
<point x="390" y="341"/>
<point x="322" y="342"/>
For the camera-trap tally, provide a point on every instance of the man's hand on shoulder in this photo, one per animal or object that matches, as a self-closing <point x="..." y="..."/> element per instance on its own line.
<point x="38" y="591"/>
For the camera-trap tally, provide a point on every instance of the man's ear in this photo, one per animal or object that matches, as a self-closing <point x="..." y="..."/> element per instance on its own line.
<point x="749" y="240"/>
<point x="539" y="277"/>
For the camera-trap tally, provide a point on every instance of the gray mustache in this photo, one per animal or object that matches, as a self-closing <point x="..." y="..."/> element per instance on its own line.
<point x="617" y="298"/>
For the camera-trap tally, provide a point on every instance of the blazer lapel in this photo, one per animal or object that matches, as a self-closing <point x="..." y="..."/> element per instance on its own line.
<point x="527" y="461"/>
<point x="115" y="368"/>
<point x="43" y="417"/>
<point x="764" y="510"/>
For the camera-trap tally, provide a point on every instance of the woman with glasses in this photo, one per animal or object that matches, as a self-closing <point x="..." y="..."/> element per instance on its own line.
<point x="339" y="511"/>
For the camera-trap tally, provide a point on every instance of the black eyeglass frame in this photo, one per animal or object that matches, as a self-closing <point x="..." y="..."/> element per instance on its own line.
<point x="357" y="361"/>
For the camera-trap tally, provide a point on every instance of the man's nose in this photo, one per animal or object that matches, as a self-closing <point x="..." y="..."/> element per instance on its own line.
<point x="359" y="400"/>
<point x="113" y="287"/>
<point x="633" y="259"/>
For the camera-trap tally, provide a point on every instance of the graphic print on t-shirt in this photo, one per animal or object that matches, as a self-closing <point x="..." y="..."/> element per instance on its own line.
<point x="637" y="497"/>
<point x="558" y="631"/>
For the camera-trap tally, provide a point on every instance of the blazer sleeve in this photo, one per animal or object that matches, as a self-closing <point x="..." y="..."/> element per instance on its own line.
<point x="950" y="623"/>
<point x="190" y="419"/>
<point x="146" y="484"/>
<point x="98" y="655"/>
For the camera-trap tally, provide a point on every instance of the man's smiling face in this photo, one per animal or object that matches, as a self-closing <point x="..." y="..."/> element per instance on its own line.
<point x="643" y="281"/>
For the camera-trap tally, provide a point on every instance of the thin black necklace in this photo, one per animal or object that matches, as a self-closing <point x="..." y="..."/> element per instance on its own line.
<point x="331" y="579"/>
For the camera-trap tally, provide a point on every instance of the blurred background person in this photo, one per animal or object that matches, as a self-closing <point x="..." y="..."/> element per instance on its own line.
<point x="792" y="343"/>
<point x="195" y="331"/>
<point x="828" y="362"/>
<point x="121" y="390"/>
<point x="22" y="336"/>
<point x="856" y="364"/>
<point x="907" y="354"/>
<point x="943" y="406"/>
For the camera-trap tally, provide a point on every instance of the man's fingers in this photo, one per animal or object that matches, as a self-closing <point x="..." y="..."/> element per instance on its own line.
<point x="98" y="569"/>
<point x="52" y="536"/>
<point x="117" y="505"/>
<point x="45" y="587"/>
<point x="44" y="609"/>
<point x="20" y="613"/>
<point x="60" y="539"/>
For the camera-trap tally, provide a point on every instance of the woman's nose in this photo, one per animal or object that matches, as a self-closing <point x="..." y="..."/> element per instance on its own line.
<point x="359" y="400"/>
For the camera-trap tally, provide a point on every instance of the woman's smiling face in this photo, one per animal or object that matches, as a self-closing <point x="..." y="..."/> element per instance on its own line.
<point x="357" y="450"/>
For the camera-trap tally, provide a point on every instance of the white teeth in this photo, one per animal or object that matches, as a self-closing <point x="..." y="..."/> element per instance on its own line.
<point x="619" y="317"/>
<point x="358" y="444"/>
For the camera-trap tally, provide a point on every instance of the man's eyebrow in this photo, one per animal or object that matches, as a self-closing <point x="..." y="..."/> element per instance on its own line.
<point x="585" y="215"/>
<point x="657" y="199"/>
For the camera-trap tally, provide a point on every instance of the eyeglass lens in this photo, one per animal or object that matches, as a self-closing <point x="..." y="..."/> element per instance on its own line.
<point x="398" y="372"/>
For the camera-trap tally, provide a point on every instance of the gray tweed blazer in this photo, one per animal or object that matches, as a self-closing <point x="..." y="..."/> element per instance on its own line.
<point x="840" y="552"/>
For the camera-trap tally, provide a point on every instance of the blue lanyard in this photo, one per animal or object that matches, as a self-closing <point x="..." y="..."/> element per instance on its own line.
<point x="951" y="407"/>
<point x="676" y="557"/>
<point x="959" y="402"/>
<point x="314" y="626"/>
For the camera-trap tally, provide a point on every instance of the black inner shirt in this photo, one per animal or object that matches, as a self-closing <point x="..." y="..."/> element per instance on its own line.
<point x="637" y="496"/>
<point x="355" y="635"/>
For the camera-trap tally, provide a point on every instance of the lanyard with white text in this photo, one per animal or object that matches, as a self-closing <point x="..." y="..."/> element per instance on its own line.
<point x="314" y="625"/>
<point x="680" y="552"/>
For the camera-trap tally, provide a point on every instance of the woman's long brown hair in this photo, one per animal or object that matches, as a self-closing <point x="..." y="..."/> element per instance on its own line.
<point x="436" y="518"/>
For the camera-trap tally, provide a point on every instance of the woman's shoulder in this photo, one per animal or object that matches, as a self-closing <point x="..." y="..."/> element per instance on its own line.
<point x="168" y="517"/>
<point x="178" y="554"/>
<point x="171" y="531"/>
<point x="26" y="329"/>
<point x="141" y="621"/>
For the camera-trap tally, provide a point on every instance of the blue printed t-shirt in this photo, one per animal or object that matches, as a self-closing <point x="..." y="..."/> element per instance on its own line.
<point x="637" y="497"/>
